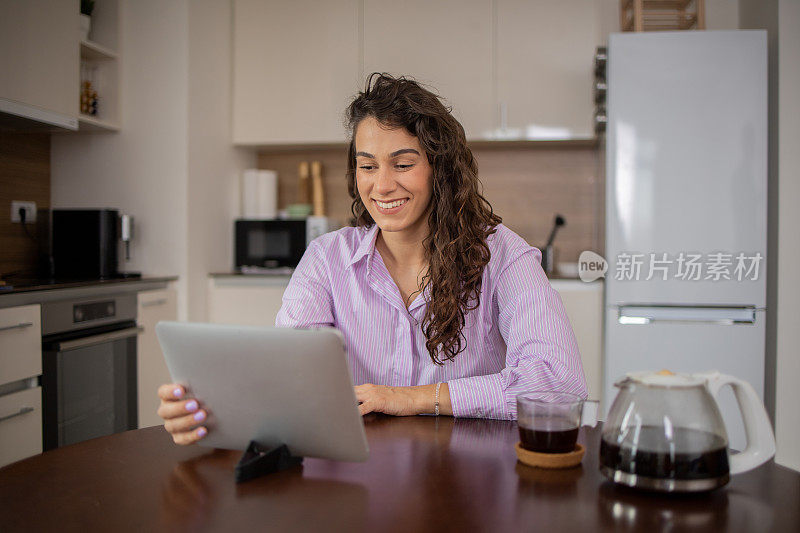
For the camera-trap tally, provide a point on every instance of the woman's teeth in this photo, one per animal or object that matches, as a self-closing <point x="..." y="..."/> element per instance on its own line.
<point x="390" y="205"/>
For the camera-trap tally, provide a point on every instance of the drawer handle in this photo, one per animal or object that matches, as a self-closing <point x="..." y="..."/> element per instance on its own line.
<point x="23" y="411"/>
<point x="151" y="303"/>
<point x="21" y="325"/>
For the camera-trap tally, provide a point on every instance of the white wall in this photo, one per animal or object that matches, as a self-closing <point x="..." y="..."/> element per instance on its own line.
<point x="214" y="165"/>
<point x="787" y="391"/>
<point x="781" y="19"/>
<point x="171" y="165"/>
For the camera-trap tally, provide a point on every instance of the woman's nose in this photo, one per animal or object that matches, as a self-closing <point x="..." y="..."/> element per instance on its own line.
<point x="384" y="181"/>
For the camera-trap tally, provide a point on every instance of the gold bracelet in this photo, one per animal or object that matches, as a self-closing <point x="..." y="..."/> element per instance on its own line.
<point x="436" y="400"/>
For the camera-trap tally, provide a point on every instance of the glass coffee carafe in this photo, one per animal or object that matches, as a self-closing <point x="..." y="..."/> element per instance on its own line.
<point x="665" y="432"/>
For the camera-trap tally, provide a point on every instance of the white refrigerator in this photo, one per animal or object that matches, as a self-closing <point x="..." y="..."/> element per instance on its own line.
<point x="686" y="207"/>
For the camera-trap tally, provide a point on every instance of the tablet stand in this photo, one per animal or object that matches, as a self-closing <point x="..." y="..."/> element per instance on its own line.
<point x="258" y="461"/>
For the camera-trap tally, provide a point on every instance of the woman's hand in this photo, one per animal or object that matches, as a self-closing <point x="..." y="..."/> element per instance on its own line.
<point x="397" y="401"/>
<point x="182" y="416"/>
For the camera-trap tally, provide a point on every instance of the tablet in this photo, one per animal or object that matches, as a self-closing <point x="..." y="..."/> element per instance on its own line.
<point x="272" y="385"/>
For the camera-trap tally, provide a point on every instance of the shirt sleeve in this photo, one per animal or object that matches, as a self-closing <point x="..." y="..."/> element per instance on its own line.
<point x="541" y="350"/>
<point x="307" y="301"/>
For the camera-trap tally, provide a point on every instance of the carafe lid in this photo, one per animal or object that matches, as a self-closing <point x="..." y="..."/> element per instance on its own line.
<point x="665" y="378"/>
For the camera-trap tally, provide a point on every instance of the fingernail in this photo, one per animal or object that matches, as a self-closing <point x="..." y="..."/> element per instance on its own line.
<point x="199" y="416"/>
<point x="191" y="406"/>
<point x="177" y="393"/>
<point x="201" y="432"/>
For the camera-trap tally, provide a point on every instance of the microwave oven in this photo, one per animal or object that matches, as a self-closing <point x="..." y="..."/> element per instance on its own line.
<point x="275" y="243"/>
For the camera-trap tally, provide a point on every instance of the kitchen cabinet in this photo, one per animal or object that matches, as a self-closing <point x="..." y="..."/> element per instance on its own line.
<point x="20" y="397"/>
<point x="446" y="44"/>
<point x="583" y="303"/>
<point x="295" y="68"/>
<point x="153" y="307"/>
<point x="245" y="300"/>
<point x="44" y="62"/>
<point x="545" y="70"/>
<point x="39" y="40"/>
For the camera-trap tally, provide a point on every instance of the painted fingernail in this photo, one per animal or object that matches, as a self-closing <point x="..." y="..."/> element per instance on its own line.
<point x="199" y="416"/>
<point x="191" y="406"/>
<point x="201" y="432"/>
<point x="177" y="393"/>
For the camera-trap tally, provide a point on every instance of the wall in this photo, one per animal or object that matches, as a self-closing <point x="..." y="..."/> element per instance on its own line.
<point x="24" y="175"/>
<point x="781" y="19"/>
<point x="171" y="165"/>
<point x="142" y="170"/>
<point x="214" y="165"/>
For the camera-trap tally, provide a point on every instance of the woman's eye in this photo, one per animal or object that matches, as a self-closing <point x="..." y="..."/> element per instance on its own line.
<point x="366" y="167"/>
<point x="404" y="166"/>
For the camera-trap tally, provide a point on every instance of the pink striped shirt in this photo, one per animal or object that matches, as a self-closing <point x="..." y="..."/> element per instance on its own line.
<point x="518" y="338"/>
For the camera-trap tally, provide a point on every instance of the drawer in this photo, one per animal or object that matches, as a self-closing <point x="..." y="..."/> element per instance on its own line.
<point x="20" y="425"/>
<point x="20" y="343"/>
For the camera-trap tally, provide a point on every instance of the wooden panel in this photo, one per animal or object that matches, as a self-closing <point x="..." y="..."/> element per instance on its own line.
<point x="526" y="187"/>
<point x="24" y="175"/>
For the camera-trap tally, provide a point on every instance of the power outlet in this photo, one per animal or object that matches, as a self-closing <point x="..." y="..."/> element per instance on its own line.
<point x="30" y="211"/>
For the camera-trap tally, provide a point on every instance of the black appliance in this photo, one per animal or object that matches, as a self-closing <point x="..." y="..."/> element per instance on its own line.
<point x="83" y="244"/>
<point x="89" y="385"/>
<point x="270" y="243"/>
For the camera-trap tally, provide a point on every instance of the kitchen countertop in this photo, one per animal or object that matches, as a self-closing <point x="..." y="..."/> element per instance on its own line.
<point x="37" y="293"/>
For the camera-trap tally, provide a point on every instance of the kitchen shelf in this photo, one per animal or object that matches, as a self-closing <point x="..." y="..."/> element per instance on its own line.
<point x="92" y="51"/>
<point x="89" y="123"/>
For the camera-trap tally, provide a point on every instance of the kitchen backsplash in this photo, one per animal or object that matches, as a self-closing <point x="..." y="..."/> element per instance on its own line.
<point x="24" y="175"/>
<point x="526" y="186"/>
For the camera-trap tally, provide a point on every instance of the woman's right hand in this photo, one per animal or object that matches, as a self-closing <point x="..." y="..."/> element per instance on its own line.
<point x="182" y="416"/>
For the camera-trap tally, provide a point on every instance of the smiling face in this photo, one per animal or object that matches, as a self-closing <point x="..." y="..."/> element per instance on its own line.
<point x="394" y="178"/>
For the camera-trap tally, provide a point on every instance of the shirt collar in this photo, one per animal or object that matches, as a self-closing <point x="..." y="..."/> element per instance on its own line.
<point x="367" y="245"/>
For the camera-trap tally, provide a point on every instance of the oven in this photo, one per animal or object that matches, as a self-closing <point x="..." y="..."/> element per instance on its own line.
<point x="88" y="368"/>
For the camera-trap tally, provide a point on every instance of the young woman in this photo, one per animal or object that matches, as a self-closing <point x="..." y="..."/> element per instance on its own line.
<point x="444" y="310"/>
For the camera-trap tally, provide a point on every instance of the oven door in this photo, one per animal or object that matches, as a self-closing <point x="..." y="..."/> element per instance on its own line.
<point x="88" y="384"/>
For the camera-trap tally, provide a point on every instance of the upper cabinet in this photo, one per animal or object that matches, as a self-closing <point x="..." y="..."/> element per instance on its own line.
<point x="46" y="61"/>
<point x="510" y="69"/>
<point x="544" y="57"/>
<point x="39" y="60"/>
<point x="445" y="44"/>
<point x="295" y="68"/>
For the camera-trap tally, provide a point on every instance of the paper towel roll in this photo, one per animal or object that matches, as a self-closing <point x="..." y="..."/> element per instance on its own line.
<point x="250" y="207"/>
<point x="267" y="193"/>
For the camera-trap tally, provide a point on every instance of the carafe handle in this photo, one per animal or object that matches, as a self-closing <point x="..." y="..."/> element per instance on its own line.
<point x="760" y="439"/>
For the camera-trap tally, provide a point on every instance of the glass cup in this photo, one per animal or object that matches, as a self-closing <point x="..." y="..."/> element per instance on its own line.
<point x="549" y="421"/>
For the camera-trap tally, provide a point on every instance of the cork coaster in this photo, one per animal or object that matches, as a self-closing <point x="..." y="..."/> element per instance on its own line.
<point x="550" y="460"/>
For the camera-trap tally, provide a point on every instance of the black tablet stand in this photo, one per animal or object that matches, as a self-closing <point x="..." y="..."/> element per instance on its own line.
<point x="258" y="461"/>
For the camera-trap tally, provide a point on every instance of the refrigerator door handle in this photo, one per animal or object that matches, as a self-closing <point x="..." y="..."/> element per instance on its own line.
<point x="648" y="314"/>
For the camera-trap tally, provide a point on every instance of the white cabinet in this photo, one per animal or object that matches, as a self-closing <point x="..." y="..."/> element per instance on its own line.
<point x="295" y="68"/>
<point x="39" y="60"/>
<point x="446" y="44"/>
<point x="545" y="53"/>
<point x="245" y="300"/>
<point x="584" y="305"/>
<point x="20" y="398"/>
<point x="153" y="307"/>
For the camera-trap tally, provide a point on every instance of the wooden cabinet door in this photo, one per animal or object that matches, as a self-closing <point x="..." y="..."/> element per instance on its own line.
<point x="40" y="58"/>
<point x="446" y="44"/>
<point x="295" y="69"/>
<point x="544" y="62"/>
<point x="153" y="307"/>
<point x="245" y="301"/>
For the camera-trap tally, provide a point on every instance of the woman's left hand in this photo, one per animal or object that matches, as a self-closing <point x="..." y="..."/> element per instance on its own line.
<point x="397" y="401"/>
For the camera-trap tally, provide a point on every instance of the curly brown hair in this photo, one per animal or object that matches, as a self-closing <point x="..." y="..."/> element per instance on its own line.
<point x="460" y="218"/>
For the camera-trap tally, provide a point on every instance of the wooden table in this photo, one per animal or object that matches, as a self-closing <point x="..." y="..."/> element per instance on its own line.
<point x="423" y="474"/>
